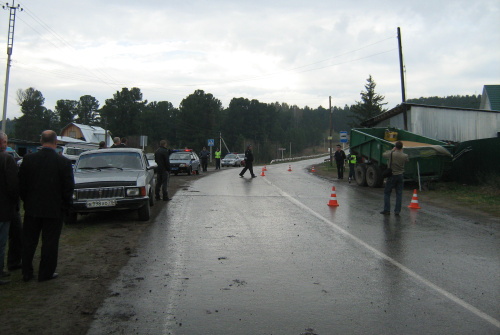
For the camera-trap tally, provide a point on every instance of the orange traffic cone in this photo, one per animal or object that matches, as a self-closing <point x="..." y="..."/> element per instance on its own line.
<point x="264" y="168"/>
<point x="333" y="198"/>
<point x="262" y="173"/>
<point x="414" y="200"/>
<point x="313" y="170"/>
<point x="289" y="168"/>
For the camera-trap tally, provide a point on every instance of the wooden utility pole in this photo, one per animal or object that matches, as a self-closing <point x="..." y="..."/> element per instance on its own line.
<point x="401" y="66"/>
<point x="331" y="131"/>
<point x="402" y="72"/>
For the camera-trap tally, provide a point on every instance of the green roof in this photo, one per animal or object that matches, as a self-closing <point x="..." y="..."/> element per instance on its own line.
<point x="493" y="93"/>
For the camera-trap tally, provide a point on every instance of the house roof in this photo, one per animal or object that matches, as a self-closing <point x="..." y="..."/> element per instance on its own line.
<point x="406" y="106"/>
<point x="493" y="94"/>
<point x="89" y="132"/>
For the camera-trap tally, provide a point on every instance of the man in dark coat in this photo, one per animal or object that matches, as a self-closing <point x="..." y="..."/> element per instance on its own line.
<point x="204" y="154"/>
<point x="9" y="197"/>
<point x="340" y="157"/>
<point x="248" y="162"/>
<point x="162" y="159"/>
<point x="46" y="187"/>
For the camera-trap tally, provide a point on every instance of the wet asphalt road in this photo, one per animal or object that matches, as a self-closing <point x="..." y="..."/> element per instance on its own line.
<point x="232" y="255"/>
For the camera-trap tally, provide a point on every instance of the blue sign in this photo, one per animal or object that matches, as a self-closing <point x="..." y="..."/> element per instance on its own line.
<point x="343" y="136"/>
<point x="211" y="142"/>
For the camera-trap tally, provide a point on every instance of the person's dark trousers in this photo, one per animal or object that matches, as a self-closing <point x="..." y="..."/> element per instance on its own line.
<point x="50" y="229"/>
<point x="14" y="255"/>
<point x="204" y="164"/>
<point x="248" y="166"/>
<point x="340" y="169"/>
<point x="162" y="179"/>
<point x="352" y="174"/>
<point x="396" y="182"/>
<point x="217" y="163"/>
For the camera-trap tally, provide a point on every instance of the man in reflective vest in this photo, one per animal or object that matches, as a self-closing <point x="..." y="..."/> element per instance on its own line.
<point x="352" y="166"/>
<point x="217" y="159"/>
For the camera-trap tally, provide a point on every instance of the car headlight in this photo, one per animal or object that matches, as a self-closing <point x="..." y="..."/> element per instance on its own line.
<point x="182" y="165"/>
<point x="135" y="191"/>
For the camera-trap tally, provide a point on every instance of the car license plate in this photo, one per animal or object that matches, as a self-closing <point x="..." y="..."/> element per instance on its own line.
<point x="101" y="203"/>
<point x="174" y="168"/>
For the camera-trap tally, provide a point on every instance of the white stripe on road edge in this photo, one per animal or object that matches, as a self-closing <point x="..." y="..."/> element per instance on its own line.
<point x="424" y="281"/>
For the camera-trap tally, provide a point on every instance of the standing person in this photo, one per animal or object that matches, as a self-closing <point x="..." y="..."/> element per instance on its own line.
<point x="204" y="154"/>
<point x="46" y="187"/>
<point x="9" y="199"/>
<point x="123" y="143"/>
<point x="102" y="145"/>
<point x="351" y="158"/>
<point x="248" y="162"/>
<point x="340" y="157"/>
<point x="116" y="142"/>
<point x="162" y="159"/>
<point x="217" y="159"/>
<point x="396" y="160"/>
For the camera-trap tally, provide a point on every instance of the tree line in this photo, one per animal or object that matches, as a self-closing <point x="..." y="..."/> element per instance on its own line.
<point x="199" y="117"/>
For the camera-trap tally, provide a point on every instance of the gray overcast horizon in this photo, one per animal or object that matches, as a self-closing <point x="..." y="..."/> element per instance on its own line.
<point x="296" y="52"/>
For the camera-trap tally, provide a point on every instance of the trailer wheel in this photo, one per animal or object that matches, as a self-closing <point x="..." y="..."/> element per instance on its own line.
<point x="360" y="174"/>
<point x="374" y="176"/>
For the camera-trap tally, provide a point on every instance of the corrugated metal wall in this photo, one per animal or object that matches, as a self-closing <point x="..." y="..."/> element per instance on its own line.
<point x="452" y="124"/>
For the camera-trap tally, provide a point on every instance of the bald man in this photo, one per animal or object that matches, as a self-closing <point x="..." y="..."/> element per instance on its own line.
<point x="46" y="188"/>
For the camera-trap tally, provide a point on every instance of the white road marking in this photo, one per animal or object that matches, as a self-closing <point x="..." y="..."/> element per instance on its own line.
<point x="411" y="273"/>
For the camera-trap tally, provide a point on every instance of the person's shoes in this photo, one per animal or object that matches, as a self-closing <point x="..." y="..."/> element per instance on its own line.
<point x="167" y="199"/>
<point x="4" y="274"/>
<point x="157" y="198"/>
<point x="396" y="213"/>
<point x="54" y="276"/>
<point x="385" y="212"/>
<point x="254" y="176"/>
<point x="241" y="176"/>
<point x="27" y="277"/>
<point x="3" y="282"/>
<point x="14" y="267"/>
<point x="349" y="180"/>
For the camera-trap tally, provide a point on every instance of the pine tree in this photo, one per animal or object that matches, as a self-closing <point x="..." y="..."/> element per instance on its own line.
<point x="370" y="105"/>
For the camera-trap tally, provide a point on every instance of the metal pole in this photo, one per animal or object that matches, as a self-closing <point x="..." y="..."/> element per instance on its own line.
<point x="10" y="45"/>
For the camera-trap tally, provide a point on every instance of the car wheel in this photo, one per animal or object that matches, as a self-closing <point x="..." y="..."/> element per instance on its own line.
<point x="151" y="198"/>
<point x="144" y="213"/>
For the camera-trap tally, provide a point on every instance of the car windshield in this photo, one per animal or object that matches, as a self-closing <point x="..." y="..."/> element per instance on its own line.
<point x="231" y="156"/>
<point x="241" y="155"/>
<point x="74" y="151"/>
<point x="180" y="156"/>
<point x="108" y="160"/>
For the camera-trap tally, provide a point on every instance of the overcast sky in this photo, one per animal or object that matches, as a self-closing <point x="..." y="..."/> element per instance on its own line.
<point x="297" y="51"/>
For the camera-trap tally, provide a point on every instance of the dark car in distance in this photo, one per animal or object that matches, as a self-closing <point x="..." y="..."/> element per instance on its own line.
<point x="113" y="179"/>
<point x="184" y="161"/>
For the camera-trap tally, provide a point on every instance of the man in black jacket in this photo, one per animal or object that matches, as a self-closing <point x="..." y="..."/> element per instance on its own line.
<point x="248" y="162"/>
<point x="340" y="157"/>
<point x="9" y="197"/>
<point x="46" y="187"/>
<point x="162" y="159"/>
